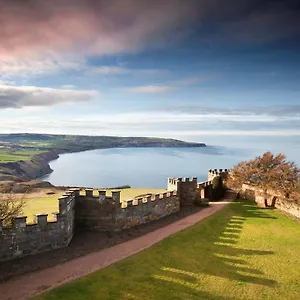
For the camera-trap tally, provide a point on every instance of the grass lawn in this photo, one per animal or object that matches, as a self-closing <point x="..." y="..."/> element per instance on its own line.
<point x="241" y="252"/>
<point x="7" y="155"/>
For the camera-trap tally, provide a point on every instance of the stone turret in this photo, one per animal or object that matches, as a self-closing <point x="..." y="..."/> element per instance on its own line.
<point x="186" y="189"/>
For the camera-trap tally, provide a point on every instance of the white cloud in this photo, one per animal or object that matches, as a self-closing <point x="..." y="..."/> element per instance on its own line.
<point x="150" y="89"/>
<point x="152" y="124"/>
<point x="67" y="86"/>
<point x="22" y="96"/>
<point x="110" y="70"/>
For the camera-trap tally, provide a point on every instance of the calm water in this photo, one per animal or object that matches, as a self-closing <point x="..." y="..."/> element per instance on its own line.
<point x="139" y="167"/>
<point x="150" y="167"/>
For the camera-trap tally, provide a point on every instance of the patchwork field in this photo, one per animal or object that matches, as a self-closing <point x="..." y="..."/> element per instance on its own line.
<point x="242" y="252"/>
<point x="7" y="155"/>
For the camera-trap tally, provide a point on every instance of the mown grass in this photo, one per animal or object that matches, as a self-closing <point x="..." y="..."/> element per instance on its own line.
<point x="242" y="252"/>
<point x="7" y="155"/>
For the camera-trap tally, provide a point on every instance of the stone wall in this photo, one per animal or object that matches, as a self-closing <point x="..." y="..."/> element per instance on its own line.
<point x="146" y="209"/>
<point x="270" y="199"/>
<point x="90" y="212"/>
<point x="205" y="189"/>
<point x="23" y="239"/>
<point x="186" y="188"/>
<point x="96" y="213"/>
<point x="216" y="172"/>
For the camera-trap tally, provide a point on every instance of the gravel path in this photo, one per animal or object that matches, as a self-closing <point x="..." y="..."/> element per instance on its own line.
<point x="37" y="282"/>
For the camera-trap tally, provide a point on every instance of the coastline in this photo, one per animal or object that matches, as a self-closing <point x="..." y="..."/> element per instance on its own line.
<point x="38" y="166"/>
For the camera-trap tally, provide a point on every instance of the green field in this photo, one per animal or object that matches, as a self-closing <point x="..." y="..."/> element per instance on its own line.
<point x="7" y="155"/>
<point x="241" y="252"/>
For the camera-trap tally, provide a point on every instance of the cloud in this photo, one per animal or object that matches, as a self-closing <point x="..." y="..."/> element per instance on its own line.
<point x="40" y="65"/>
<point x="22" y="96"/>
<point x="265" y="22"/>
<point x="280" y="111"/>
<point x="102" y="27"/>
<point x="150" y="89"/>
<point x="151" y="124"/>
<point x="117" y="70"/>
<point x="40" y="37"/>
<point x="91" y="27"/>
<point x="164" y="88"/>
<point x="110" y="70"/>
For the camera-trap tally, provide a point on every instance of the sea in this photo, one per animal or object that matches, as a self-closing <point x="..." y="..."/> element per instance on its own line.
<point x="151" y="167"/>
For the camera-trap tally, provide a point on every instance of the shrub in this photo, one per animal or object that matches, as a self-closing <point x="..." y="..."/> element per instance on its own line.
<point x="10" y="207"/>
<point x="217" y="188"/>
<point x="201" y="202"/>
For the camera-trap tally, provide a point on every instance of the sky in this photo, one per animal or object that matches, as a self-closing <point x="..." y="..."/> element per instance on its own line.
<point x="186" y="69"/>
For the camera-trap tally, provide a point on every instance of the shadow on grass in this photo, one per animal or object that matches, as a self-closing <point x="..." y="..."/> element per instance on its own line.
<point x="223" y="258"/>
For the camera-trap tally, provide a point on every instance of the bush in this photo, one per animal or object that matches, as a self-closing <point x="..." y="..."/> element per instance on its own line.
<point x="10" y="207"/>
<point x="201" y="202"/>
<point x="218" y="189"/>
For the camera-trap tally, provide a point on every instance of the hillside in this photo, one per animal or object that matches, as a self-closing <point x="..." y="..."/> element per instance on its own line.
<point x="74" y="143"/>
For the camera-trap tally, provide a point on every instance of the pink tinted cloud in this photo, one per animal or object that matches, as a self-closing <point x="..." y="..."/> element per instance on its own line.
<point x="30" y="28"/>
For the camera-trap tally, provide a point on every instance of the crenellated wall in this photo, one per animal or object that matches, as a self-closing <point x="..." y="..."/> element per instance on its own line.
<point x="25" y="239"/>
<point x="216" y="172"/>
<point x="96" y="212"/>
<point x="88" y="211"/>
<point x="146" y="209"/>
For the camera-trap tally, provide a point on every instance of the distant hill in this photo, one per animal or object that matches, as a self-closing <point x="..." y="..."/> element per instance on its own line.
<point x="75" y="143"/>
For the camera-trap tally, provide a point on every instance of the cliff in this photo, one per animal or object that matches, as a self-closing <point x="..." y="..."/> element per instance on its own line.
<point x="22" y="170"/>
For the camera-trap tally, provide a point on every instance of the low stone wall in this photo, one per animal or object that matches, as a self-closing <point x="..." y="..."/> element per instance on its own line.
<point x="270" y="199"/>
<point x="23" y="239"/>
<point x="146" y="209"/>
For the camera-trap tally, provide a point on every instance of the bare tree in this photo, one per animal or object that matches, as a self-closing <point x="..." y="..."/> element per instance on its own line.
<point x="10" y="207"/>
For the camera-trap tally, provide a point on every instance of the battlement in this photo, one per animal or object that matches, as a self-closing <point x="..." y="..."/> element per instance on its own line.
<point x="202" y="185"/>
<point x="96" y="210"/>
<point x="148" y="199"/>
<point x="212" y="173"/>
<point x="23" y="239"/>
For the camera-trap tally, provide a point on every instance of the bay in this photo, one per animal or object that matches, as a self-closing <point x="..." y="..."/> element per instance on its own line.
<point x="139" y="167"/>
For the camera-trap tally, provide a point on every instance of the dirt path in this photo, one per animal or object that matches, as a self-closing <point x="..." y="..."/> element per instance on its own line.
<point x="37" y="282"/>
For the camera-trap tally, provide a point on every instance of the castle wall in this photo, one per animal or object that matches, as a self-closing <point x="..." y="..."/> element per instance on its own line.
<point x="205" y="189"/>
<point x="91" y="212"/>
<point x="270" y="199"/>
<point x="146" y="209"/>
<point x="23" y="239"/>
<point x="216" y="172"/>
<point x="187" y="190"/>
<point x="95" y="213"/>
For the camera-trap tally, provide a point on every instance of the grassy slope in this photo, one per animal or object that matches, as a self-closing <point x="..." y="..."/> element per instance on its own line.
<point x="241" y="252"/>
<point x="7" y="155"/>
